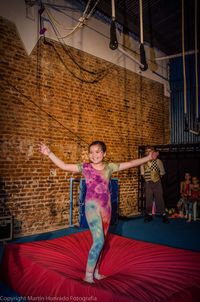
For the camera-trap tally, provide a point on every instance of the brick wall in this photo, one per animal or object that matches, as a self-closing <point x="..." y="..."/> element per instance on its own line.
<point x="68" y="98"/>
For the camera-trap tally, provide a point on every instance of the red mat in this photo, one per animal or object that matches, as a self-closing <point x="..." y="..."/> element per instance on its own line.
<point x="53" y="270"/>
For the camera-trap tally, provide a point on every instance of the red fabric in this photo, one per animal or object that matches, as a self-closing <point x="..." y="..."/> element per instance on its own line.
<point x="53" y="270"/>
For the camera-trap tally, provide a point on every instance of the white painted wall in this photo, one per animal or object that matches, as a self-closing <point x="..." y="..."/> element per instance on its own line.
<point x="93" y="38"/>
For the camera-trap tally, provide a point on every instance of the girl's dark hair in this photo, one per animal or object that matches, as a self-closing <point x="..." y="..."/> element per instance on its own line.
<point x="187" y="172"/>
<point x="101" y="144"/>
<point x="151" y="148"/>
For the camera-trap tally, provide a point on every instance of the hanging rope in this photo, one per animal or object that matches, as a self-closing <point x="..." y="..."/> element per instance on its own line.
<point x="77" y="138"/>
<point x="196" y="66"/>
<point x="54" y="19"/>
<point x="85" y="16"/>
<point x="101" y="73"/>
<point x="197" y="130"/>
<point x="70" y="71"/>
<point x="92" y="10"/>
<point x="142" y="51"/>
<point x="186" y="128"/>
<point x="79" y="24"/>
<point x="113" y="37"/>
<point x="58" y="37"/>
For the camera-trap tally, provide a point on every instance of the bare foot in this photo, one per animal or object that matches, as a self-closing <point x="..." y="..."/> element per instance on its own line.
<point x="98" y="276"/>
<point x="89" y="277"/>
<point x="89" y="280"/>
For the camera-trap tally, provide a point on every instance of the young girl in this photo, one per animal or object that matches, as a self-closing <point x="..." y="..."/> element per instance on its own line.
<point x="184" y="191"/>
<point x="194" y="193"/>
<point x="97" y="202"/>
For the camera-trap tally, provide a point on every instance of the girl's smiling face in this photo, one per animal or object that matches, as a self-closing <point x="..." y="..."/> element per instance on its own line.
<point x="195" y="180"/>
<point x="96" y="154"/>
<point x="187" y="176"/>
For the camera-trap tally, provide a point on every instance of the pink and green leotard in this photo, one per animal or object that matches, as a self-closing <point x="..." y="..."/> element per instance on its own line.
<point x="97" y="206"/>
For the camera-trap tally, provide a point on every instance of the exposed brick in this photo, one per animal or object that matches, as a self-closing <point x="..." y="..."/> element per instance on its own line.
<point x="42" y="101"/>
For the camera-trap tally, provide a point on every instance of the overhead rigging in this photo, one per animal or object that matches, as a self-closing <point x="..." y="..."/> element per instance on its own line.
<point x="142" y="63"/>
<point x="142" y="51"/>
<point x="186" y="120"/>
<point x="99" y="75"/>
<point x="113" y="38"/>
<point x="81" y="22"/>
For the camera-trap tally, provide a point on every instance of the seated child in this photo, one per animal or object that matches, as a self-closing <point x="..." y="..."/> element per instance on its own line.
<point x="184" y="191"/>
<point x="194" y="193"/>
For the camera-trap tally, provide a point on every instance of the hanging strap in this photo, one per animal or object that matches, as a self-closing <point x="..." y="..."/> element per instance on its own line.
<point x="196" y="65"/>
<point x="142" y="51"/>
<point x="113" y="37"/>
<point x="183" y="51"/>
<point x="186" y="128"/>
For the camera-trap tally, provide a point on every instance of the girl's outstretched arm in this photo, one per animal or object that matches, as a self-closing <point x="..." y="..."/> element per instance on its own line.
<point x="138" y="162"/>
<point x="59" y="163"/>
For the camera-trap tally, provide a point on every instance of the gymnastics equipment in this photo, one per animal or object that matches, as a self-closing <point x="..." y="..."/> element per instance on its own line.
<point x="197" y="130"/>
<point x="190" y="52"/>
<point x="186" y="128"/>
<point x="186" y="122"/>
<point x="53" y="270"/>
<point x="81" y="22"/>
<point x="131" y="57"/>
<point x="113" y="38"/>
<point x="114" y="195"/>
<point x="142" y="63"/>
<point x="142" y="51"/>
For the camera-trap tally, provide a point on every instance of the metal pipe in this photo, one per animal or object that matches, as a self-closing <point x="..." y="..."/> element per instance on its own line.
<point x="131" y="57"/>
<point x="190" y="52"/>
<point x="196" y="65"/>
<point x="184" y="71"/>
<point x="71" y="202"/>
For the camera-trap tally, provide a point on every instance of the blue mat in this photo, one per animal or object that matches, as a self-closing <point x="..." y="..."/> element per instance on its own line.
<point x="7" y="294"/>
<point x="178" y="233"/>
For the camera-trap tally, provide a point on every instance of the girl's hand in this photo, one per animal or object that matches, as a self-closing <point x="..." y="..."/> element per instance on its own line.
<point x="44" y="149"/>
<point x="153" y="155"/>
